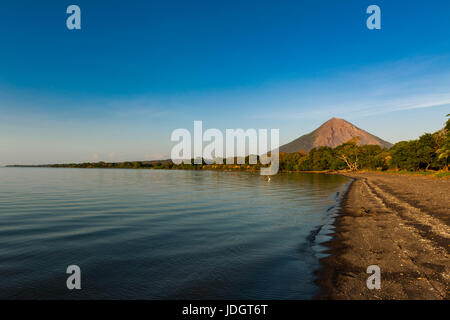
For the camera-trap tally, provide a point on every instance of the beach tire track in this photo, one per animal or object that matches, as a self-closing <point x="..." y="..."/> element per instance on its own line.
<point x="410" y="212"/>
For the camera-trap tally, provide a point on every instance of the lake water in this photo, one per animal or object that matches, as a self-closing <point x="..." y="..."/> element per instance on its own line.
<point x="163" y="234"/>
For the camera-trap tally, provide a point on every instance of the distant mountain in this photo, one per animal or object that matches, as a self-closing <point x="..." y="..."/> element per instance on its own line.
<point x="331" y="134"/>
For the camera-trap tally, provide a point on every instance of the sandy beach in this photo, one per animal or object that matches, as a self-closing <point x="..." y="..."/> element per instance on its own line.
<point x="400" y="223"/>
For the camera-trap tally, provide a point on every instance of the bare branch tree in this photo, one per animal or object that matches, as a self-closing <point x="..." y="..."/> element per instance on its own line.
<point x="353" y="166"/>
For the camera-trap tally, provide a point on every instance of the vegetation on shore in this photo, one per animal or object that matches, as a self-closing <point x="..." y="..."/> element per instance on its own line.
<point x="428" y="153"/>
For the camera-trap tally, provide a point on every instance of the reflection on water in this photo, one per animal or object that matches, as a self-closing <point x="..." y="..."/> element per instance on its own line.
<point x="156" y="234"/>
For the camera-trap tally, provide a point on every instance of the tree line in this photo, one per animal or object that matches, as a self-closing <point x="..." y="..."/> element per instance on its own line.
<point x="428" y="152"/>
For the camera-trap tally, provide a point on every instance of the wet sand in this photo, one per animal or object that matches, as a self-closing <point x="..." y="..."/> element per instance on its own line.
<point x="400" y="223"/>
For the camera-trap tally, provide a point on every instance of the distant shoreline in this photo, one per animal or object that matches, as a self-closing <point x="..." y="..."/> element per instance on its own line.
<point x="236" y="168"/>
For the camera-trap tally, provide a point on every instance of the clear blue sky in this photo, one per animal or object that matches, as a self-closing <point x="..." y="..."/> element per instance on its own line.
<point x="137" y="70"/>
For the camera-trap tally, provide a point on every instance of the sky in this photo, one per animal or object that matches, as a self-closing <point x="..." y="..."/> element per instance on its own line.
<point x="137" y="70"/>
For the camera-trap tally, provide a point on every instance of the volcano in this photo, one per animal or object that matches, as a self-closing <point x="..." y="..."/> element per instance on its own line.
<point x="331" y="134"/>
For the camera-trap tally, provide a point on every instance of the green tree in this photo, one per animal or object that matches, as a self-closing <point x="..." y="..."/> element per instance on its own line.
<point x="404" y="155"/>
<point x="369" y="157"/>
<point x="321" y="158"/>
<point x="425" y="151"/>
<point x="444" y="150"/>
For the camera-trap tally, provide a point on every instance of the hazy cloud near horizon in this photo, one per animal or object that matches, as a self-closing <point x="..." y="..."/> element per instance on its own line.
<point x="138" y="128"/>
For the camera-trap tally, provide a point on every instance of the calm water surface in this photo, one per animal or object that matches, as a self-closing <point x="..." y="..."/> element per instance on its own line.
<point x="157" y="234"/>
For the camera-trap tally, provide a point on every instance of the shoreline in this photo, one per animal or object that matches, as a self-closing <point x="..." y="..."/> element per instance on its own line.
<point x="400" y="223"/>
<point x="427" y="174"/>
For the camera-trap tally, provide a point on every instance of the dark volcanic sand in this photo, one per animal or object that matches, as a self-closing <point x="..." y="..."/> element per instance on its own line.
<point x="400" y="223"/>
